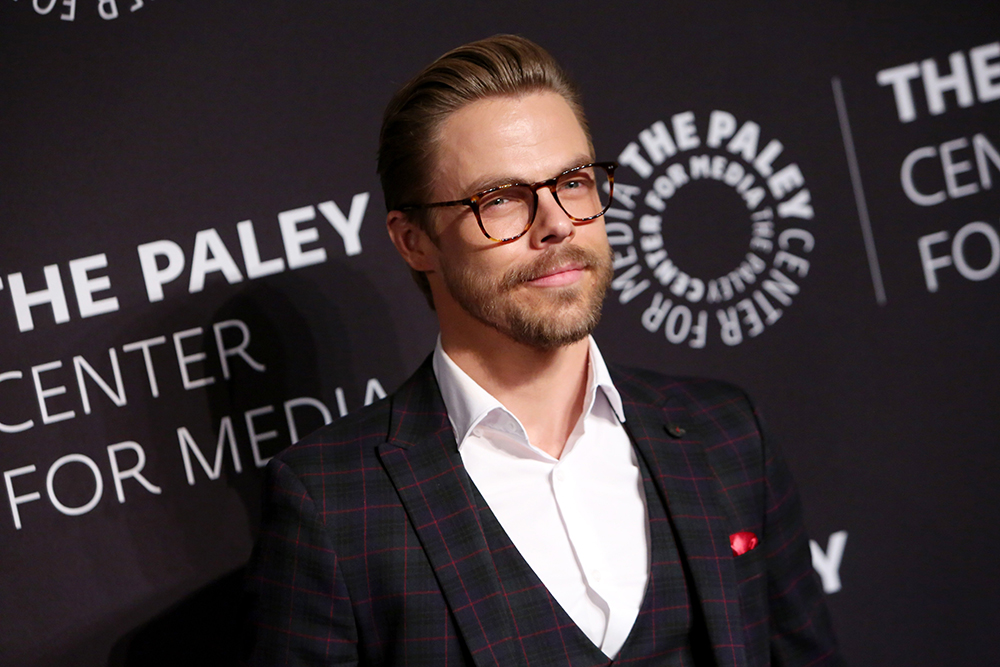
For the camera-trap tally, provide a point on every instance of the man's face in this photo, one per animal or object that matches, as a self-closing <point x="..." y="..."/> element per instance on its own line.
<point x="544" y="289"/>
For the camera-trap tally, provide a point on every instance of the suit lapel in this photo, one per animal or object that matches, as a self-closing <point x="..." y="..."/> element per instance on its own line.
<point x="423" y="462"/>
<point x="683" y="475"/>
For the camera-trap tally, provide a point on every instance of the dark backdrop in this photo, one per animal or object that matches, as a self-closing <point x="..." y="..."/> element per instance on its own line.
<point x="864" y="320"/>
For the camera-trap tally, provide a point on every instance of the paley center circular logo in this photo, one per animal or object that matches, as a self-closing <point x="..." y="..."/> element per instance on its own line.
<point x="709" y="229"/>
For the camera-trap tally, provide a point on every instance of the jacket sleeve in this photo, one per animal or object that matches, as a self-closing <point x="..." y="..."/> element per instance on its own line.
<point x="299" y="610"/>
<point x="801" y="632"/>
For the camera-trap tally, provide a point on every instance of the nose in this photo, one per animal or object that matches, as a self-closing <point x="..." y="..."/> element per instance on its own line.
<point x="551" y="224"/>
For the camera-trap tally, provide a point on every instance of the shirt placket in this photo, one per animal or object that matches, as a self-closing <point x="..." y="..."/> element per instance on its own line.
<point x="569" y="484"/>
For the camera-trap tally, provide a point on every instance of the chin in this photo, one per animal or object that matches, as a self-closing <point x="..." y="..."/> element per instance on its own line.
<point x="552" y="327"/>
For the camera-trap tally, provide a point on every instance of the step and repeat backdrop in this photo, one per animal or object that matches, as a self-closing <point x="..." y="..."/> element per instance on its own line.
<point x="194" y="273"/>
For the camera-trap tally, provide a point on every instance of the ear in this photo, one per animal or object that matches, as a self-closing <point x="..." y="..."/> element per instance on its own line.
<point x="412" y="242"/>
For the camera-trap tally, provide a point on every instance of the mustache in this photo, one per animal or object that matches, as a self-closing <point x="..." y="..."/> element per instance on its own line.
<point x="550" y="261"/>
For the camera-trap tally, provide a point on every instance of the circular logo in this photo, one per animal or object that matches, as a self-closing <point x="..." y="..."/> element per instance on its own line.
<point x="696" y="278"/>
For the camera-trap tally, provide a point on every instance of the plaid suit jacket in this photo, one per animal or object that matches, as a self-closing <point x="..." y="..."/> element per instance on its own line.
<point x="371" y="551"/>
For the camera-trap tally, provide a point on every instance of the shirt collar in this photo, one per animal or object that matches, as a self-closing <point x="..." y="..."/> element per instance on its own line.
<point x="468" y="403"/>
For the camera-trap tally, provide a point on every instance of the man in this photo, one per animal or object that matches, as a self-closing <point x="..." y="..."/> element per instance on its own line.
<point x="517" y="501"/>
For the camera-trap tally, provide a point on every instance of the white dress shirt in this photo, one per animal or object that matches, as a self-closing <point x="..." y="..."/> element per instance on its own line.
<point x="580" y="520"/>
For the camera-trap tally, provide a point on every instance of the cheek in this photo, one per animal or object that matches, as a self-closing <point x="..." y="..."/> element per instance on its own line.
<point x="458" y="236"/>
<point x="596" y="231"/>
<point x="465" y="245"/>
<point x="482" y="267"/>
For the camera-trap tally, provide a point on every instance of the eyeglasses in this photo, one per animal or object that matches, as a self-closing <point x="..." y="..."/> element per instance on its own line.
<point x="506" y="212"/>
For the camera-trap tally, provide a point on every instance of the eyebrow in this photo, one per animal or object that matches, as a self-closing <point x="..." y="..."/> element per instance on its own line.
<point x="490" y="182"/>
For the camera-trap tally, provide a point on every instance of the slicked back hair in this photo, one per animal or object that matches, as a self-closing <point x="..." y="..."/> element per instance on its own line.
<point x="498" y="66"/>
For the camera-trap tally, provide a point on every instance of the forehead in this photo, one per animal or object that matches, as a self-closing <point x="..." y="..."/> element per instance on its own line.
<point x="530" y="137"/>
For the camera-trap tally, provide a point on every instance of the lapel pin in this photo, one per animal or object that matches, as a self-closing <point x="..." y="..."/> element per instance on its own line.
<point x="675" y="430"/>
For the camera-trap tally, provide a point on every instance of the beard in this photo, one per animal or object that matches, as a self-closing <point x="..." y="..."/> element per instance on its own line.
<point x="545" y="318"/>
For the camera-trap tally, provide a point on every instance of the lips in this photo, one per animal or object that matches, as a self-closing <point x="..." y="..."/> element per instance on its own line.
<point x="563" y="275"/>
<point x="562" y="267"/>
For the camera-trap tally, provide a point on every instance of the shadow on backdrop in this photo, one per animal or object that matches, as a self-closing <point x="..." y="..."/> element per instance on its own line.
<point x="312" y="346"/>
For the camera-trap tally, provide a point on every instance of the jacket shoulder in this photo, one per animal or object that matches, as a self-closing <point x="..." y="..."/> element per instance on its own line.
<point x="696" y="393"/>
<point x="344" y="439"/>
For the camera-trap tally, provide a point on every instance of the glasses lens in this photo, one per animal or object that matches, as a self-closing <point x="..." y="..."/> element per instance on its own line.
<point x="506" y="212"/>
<point x="584" y="193"/>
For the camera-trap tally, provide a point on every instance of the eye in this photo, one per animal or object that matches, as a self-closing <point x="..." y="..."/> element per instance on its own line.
<point x="576" y="181"/>
<point x="495" y="201"/>
<point x="509" y="199"/>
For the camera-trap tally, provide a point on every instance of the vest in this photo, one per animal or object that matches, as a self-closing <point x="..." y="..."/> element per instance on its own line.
<point x="668" y="630"/>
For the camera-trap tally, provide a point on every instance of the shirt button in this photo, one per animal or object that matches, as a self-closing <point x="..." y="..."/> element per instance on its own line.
<point x="595" y="576"/>
<point x="478" y="432"/>
<point x="560" y="476"/>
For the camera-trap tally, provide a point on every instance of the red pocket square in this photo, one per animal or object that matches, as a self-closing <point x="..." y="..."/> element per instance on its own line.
<point x="742" y="542"/>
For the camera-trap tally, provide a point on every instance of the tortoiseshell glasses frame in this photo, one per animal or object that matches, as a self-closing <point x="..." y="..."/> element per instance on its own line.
<point x="507" y="204"/>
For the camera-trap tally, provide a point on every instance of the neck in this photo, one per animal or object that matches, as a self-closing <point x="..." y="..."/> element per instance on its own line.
<point x="545" y="389"/>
